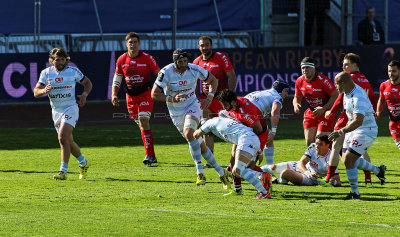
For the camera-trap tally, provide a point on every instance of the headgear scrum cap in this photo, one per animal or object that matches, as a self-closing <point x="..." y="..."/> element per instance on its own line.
<point x="307" y="62"/>
<point x="178" y="54"/>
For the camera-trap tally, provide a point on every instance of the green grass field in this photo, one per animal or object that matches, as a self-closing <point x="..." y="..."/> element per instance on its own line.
<point x="121" y="197"/>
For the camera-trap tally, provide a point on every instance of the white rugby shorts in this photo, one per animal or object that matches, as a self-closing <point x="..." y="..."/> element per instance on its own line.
<point x="178" y="117"/>
<point x="306" y="180"/>
<point x="358" y="142"/>
<point x="68" y="115"/>
<point x="249" y="144"/>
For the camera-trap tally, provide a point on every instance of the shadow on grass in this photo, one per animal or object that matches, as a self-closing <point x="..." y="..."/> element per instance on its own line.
<point x="25" y="171"/>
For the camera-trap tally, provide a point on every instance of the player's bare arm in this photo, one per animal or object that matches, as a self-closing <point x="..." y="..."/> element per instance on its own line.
<point x="297" y="104"/>
<point x="257" y="128"/>
<point x="275" y="116"/>
<point x="351" y="126"/>
<point x="40" y="90"/>
<point x="301" y="165"/>
<point x="232" y="80"/>
<point x="318" y="111"/>
<point x="117" y="80"/>
<point x="87" y="88"/>
<point x="380" y="107"/>
<point x="213" y="85"/>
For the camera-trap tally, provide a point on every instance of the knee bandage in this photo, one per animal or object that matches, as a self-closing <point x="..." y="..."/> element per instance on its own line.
<point x="144" y="114"/>
<point x="398" y="144"/>
<point x="239" y="167"/>
<point x="190" y="123"/>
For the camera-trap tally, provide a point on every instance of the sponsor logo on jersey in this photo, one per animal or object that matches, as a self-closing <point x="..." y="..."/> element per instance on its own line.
<point x="326" y="82"/>
<point x="125" y="65"/>
<point x="61" y="87"/>
<point x="308" y="86"/>
<point x="144" y="103"/>
<point x="59" y="96"/>
<point x="132" y="62"/>
<point x="212" y="66"/>
<point x="134" y="79"/>
<point x="141" y="65"/>
<point x="58" y="79"/>
<point x="386" y="93"/>
<point x="394" y="89"/>
<point x="182" y="83"/>
<point x="314" y="164"/>
<point x="315" y="89"/>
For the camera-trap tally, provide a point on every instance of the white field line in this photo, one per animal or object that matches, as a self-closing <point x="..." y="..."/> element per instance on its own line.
<point x="271" y="217"/>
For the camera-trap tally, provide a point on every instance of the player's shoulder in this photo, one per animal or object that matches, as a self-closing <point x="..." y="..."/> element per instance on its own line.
<point x="168" y="68"/>
<point x="322" y="77"/>
<point x="72" y="69"/>
<point x="194" y="67"/>
<point x="386" y="83"/>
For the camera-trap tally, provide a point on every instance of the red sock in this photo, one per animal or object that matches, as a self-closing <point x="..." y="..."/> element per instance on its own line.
<point x="258" y="169"/>
<point x="331" y="172"/>
<point x="148" y="143"/>
<point x="367" y="174"/>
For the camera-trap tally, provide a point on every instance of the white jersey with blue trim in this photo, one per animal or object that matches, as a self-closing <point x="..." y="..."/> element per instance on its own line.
<point x="229" y="130"/>
<point x="357" y="102"/>
<point x="318" y="164"/>
<point x="173" y="83"/>
<point x="264" y="100"/>
<point x="62" y="94"/>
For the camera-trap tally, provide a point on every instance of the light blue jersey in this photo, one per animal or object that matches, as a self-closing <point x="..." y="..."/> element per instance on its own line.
<point x="264" y="100"/>
<point x="174" y="83"/>
<point x="229" y="130"/>
<point x="62" y="94"/>
<point x="317" y="164"/>
<point x="357" y="102"/>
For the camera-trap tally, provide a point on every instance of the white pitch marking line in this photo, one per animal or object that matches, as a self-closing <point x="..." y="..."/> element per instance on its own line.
<point x="270" y="217"/>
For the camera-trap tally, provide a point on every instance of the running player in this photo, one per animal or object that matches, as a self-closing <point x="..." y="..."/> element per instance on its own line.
<point x="135" y="66"/>
<point x="390" y="95"/>
<point x="219" y="65"/>
<point x="320" y="94"/>
<point x="360" y="132"/>
<point x="351" y="64"/>
<point x="59" y="81"/>
<point x="247" y="147"/>
<point x="176" y="84"/>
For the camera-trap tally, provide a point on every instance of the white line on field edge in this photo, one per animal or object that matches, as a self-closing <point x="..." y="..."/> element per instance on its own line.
<point x="271" y="217"/>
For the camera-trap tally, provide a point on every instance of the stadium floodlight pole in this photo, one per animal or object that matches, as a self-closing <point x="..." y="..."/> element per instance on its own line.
<point x="219" y="25"/>
<point x="174" y="23"/>
<point x="301" y="22"/>
<point x="99" y="23"/>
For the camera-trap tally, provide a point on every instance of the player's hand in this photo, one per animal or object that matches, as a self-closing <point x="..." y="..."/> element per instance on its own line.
<point x="297" y="108"/>
<point x="377" y="115"/>
<point x="328" y="114"/>
<point x="334" y="182"/>
<point x="334" y="135"/>
<point x="82" y="100"/>
<point x="115" y="101"/>
<point x="260" y="157"/>
<point x="48" y="88"/>
<point x="179" y="98"/>
<point x="318" y="111"/>
<point x="271" y="137"/>
<point x="205" y="103"/>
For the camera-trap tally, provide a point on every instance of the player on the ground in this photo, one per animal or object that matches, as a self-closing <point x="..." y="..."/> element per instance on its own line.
<point x="219" y="65"/>
<point x="312" y="166"/>
<point x="360" y="132"/>
<point x="135" y="67"/>
<point x="247" y="147"/>
<point x="351" y="64"/>
<point x="320" y="94"/>
<point x="176" y="84"/>
<point x="59" y="81"/>
<point x="269" y="102"/>
<point x="390" y="95"/>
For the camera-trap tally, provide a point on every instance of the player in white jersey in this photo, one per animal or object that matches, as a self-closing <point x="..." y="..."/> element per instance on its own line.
<point x="247" y="148"/>
<point x="176" y="84"/>
<point x="360" y="132"/>
<point x="269" y="102"/>
<point x="59" y="81"/>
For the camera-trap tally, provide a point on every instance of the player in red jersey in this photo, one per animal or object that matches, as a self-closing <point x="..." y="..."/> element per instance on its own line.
<point x="351" y="64"/>
<point x="246" y="112"/>
<point x="390" y="95"/>
<point x="135" y="66"/>
<point x="320" y="93"/>
<point x="219" y="65"/>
